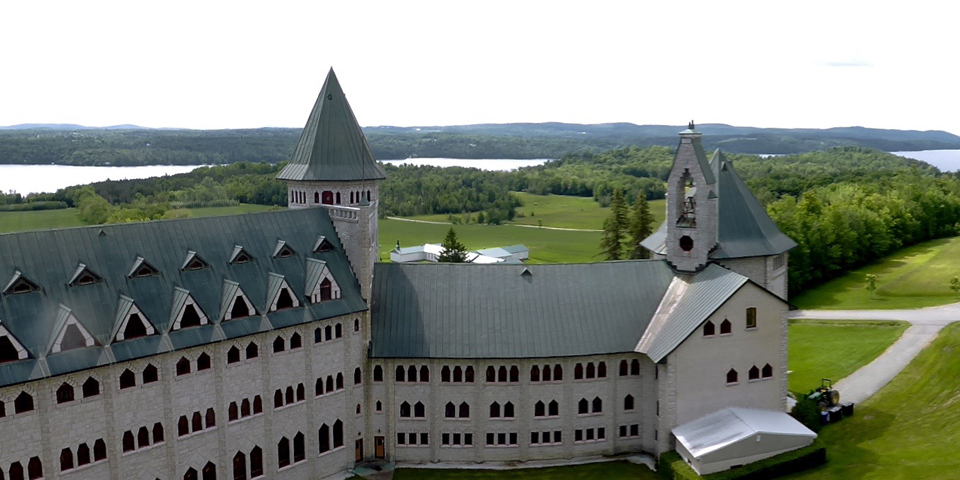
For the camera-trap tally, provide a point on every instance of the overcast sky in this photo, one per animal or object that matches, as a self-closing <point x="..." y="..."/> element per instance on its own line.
<point x="203" y="64"/>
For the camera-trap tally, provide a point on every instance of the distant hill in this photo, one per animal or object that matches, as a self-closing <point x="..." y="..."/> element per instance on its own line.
<point x="69" y="144"/>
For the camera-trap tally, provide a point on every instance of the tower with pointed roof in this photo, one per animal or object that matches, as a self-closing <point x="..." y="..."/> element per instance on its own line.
<point x="691" y="206"/>
<point x="333" y="167"/>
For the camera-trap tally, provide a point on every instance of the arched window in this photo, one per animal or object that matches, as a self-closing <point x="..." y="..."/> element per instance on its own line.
<point x="379" y="406"/>
<point x="157" y="432"/>
<point x="150" y="374"/>
<point x="317" y="335"/>
<point x="628" y="402"/>
<point x="327" y="197"/>
<point x="289" y="395"/>
<point x="450" y="410"/>
<point x="508" y="410"/>
<point x="23" y="403"/>
<point x="554" y="408"/>
<point x="725" y="327"/>
<point x="245" y="408"/>
<point x="328" y="333"/>
<point x="257" y="405"/>
<point x="191" y="475"/>
<point x="502" y="374"/>
<point x="329" y="383"/>
<point x="83" y="455"/>
<point x="143" y="437"/>
<point x="419" y="411"/>
<point x="494" y="410"/>
<point x="467" y="374"/>
<point x="239" y="309"/>
<point x="278" y="345"/>
<point x="767" y="371"/>
<point x="183" y="426"/>
<point x="337" y="434"/>
<point x="753" y="373"/>
<point x="16" y="471"/>
<point x="34" y="468"/>
<point x="127" y="379"/>
<point x="65" y="393"/>
<point x="624" y="368"/>
<point x="324" y="438"/>
<point x="377" y="373"/>
<point x="253" y="351"/>
<point x="128" y="442"/>
<point x="295" y="341"/>
<point x="424" y="374"/>
<point x="135" y="327"/>
<point x="197" y="422"/>
<point x="66" y="459"/>
<point x="491" y="374"/>
<point x="578" y="372"/>
<point x="299" y="451"/>
<point x="301" y="393"/>
<point x="597" y="405"/>
<point x="239" y="466"/>
<point x="602" y="370"/>
<point x="233" y="355"/>
<point x="209" y="471"/>
<point x="99" y="450"/>
<point x="539" y="409"/>
<point x="412" y="374"/>
<point x="326" y="290"/>
<point x="464" y="410"/>
<point x="635" y="367"/>
<point x="203" y="362"/>
<point x="591" y="371"/>
<point x="319" y="387"/>
<point x="583" y="406"/>
<point x="557" y="373"/>
<point x="732" y="376"/>
<point x="445" y="374"/>
<point x="357" y="375"/>
<point x="546" y="373"/>
<point x="256" y="462"/>
<point x="283" y="452"/>
<point x="316" y="197"/>
<point x="401" y="374"/>
<point x="404" y="410"/>
<point x="284" y="299"/>
<point x="534" y="373"/>
<point x="210" y="418"/>
<point x="514" y="374"/>
<point x="190" y="316"/>
<point x="709" y="329"/>
<point x="183" y="366"/>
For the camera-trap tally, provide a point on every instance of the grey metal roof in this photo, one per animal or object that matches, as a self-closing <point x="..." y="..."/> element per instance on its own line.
<point x="49" y="258"/>
<point x="730" y="425"/>
<point x="499" y="311"/>
<point x="332" y="145"/>
<point x="688" y="302"/>
<point x="743" y="227"/>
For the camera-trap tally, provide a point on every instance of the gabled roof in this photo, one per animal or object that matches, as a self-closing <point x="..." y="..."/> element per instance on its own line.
<point x="332" y="145"/>
<point x="708" y="175"/>
<point x="49" y="257"/>
<point x="142" y="268"/>
<point x="19" y="279"/>
<point x="193" y="261"/>
<point x="315" y="269"/>
<point x="83" y="272"/>
<point x="686" y="304"/>
<point x="124" y="306"/>
<point x="498" y="311"/>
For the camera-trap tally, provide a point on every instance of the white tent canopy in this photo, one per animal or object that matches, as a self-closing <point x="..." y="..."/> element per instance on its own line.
<point x="737" y="436"/>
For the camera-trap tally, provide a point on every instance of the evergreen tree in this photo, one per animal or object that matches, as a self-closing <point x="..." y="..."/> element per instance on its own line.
<point x="453" y="250"/>
<point x="615" y="228"/>
<point x="641" y="226"/>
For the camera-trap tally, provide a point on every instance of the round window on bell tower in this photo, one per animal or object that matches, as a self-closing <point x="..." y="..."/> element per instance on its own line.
<point x="686" y="243"/>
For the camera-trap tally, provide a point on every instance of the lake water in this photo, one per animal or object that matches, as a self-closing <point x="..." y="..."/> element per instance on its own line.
<point x="482" y="164"/>
<point x="50" y="178"/>
<point x="945" y="160"/>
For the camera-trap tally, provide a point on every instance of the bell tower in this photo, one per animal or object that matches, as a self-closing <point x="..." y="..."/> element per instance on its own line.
<point x="691" y="206"/>
<point x="332" y="167"/>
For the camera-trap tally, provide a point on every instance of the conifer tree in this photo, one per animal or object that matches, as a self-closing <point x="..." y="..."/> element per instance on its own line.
<point x="615" y="228"/>
<point x="453" y="250"/>
<point x="641" y="226"/>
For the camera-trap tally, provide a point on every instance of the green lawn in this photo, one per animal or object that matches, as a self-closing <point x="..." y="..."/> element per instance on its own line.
<point x="834" y="349"/>
<point x="561" y="211"/>
<point x="45" y="219"/>
<point x="546" y="246"/>
<point x="917" y="276"/>
<point x="593" y="471"/>
<point x="909" y="430"/>
<point x="242" y="208"/>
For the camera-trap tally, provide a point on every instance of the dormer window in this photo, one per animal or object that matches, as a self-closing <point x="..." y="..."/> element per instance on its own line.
<point x="322" y="245"/>
<point x="236" y="304"/>
<point x="71" y="333"/>
<point x="283" y="250"/>
<point x="279" y="294"/>
<point x="239" y="255"/>
<point x="133" y="323"/>
<point x="142" y="269"/>
<point x="321" y="286"/>
<point x="188" y="313"/>
<point x="20" y="284"/>
<point x="193" y="262"/>
<point x="10" y="349"/>
<point x="84" y="276"/>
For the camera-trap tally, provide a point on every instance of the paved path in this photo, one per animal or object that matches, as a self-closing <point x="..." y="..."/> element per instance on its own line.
<point x="925" y="324"/>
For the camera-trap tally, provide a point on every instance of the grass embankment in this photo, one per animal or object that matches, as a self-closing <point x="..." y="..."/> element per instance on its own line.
<point x="46" y="219"/>
<point x="560" y="211"/>
<point x="834" y="349"/>
<point x="917" y="276"/>
<point x="593" y="471"/>
<point x="909" y="430"/>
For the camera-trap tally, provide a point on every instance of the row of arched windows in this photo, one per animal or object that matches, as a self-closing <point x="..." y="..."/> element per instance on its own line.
<point x="243" y="410"/>
<point x="184" y="364"/>
<point x="753" y="374"/>
<point x="240" y="466"/>
<point x="280" y="344"/>
<point x="83" y="455"/>
<point x="22" y="404"/>
<point x="150" y="374"/>
<point x="585" y="406"/>
<point x="506" y="412"/>
<point x="726" y="328"/>
<point x="453" y="411"/>
<point x="331" y="384"/>
<point x="325" y="436"/>
<point x="410" y="374"/>
<point x="208" y="472"/>
<point x="34" y="470"/>
<point x="418" y="411"/>
<point x="250" y="352"/>
<point x="283" y="450"/>
<point x="282" y="398"/>
<point x="331" y="332"/>
<point x="546" y="374"/>
<point x="328" y="197"/>
<point x="459" y="375"/>
<point x="500" y="375"/>
<point x="196" y="423"/>
<point x="541" y="409"/>
<point x="631" y="369"/>
<point x="142" y="439"/>
<point x="590" y="372"/>
<point x="66" y="393"/>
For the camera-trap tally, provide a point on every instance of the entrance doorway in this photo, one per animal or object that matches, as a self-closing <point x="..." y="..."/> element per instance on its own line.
<point x="359" y="450"/>
<point x="378" y="443"/>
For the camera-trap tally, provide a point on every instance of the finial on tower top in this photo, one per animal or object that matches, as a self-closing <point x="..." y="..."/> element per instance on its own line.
<point x="690" y="125"/>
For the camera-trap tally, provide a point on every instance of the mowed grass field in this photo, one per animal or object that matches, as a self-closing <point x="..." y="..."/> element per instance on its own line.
<point x="593" y="471"/>
<point x="908" y="430"/>
<point x="917" y="276"/>
<point x="561" y="212"/>
<point x="834" y="349"/>
<point x="46" y="219"/>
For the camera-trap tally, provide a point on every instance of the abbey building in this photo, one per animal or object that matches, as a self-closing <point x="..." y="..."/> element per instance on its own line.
<point x="272" y="345"/>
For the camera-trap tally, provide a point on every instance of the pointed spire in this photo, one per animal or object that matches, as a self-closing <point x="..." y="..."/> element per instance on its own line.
<point x="332" y="145"/>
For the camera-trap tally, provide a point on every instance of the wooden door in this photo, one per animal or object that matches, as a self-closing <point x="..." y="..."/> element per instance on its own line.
<point x="359" y="450"/>
<point x="378" y="443"/>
